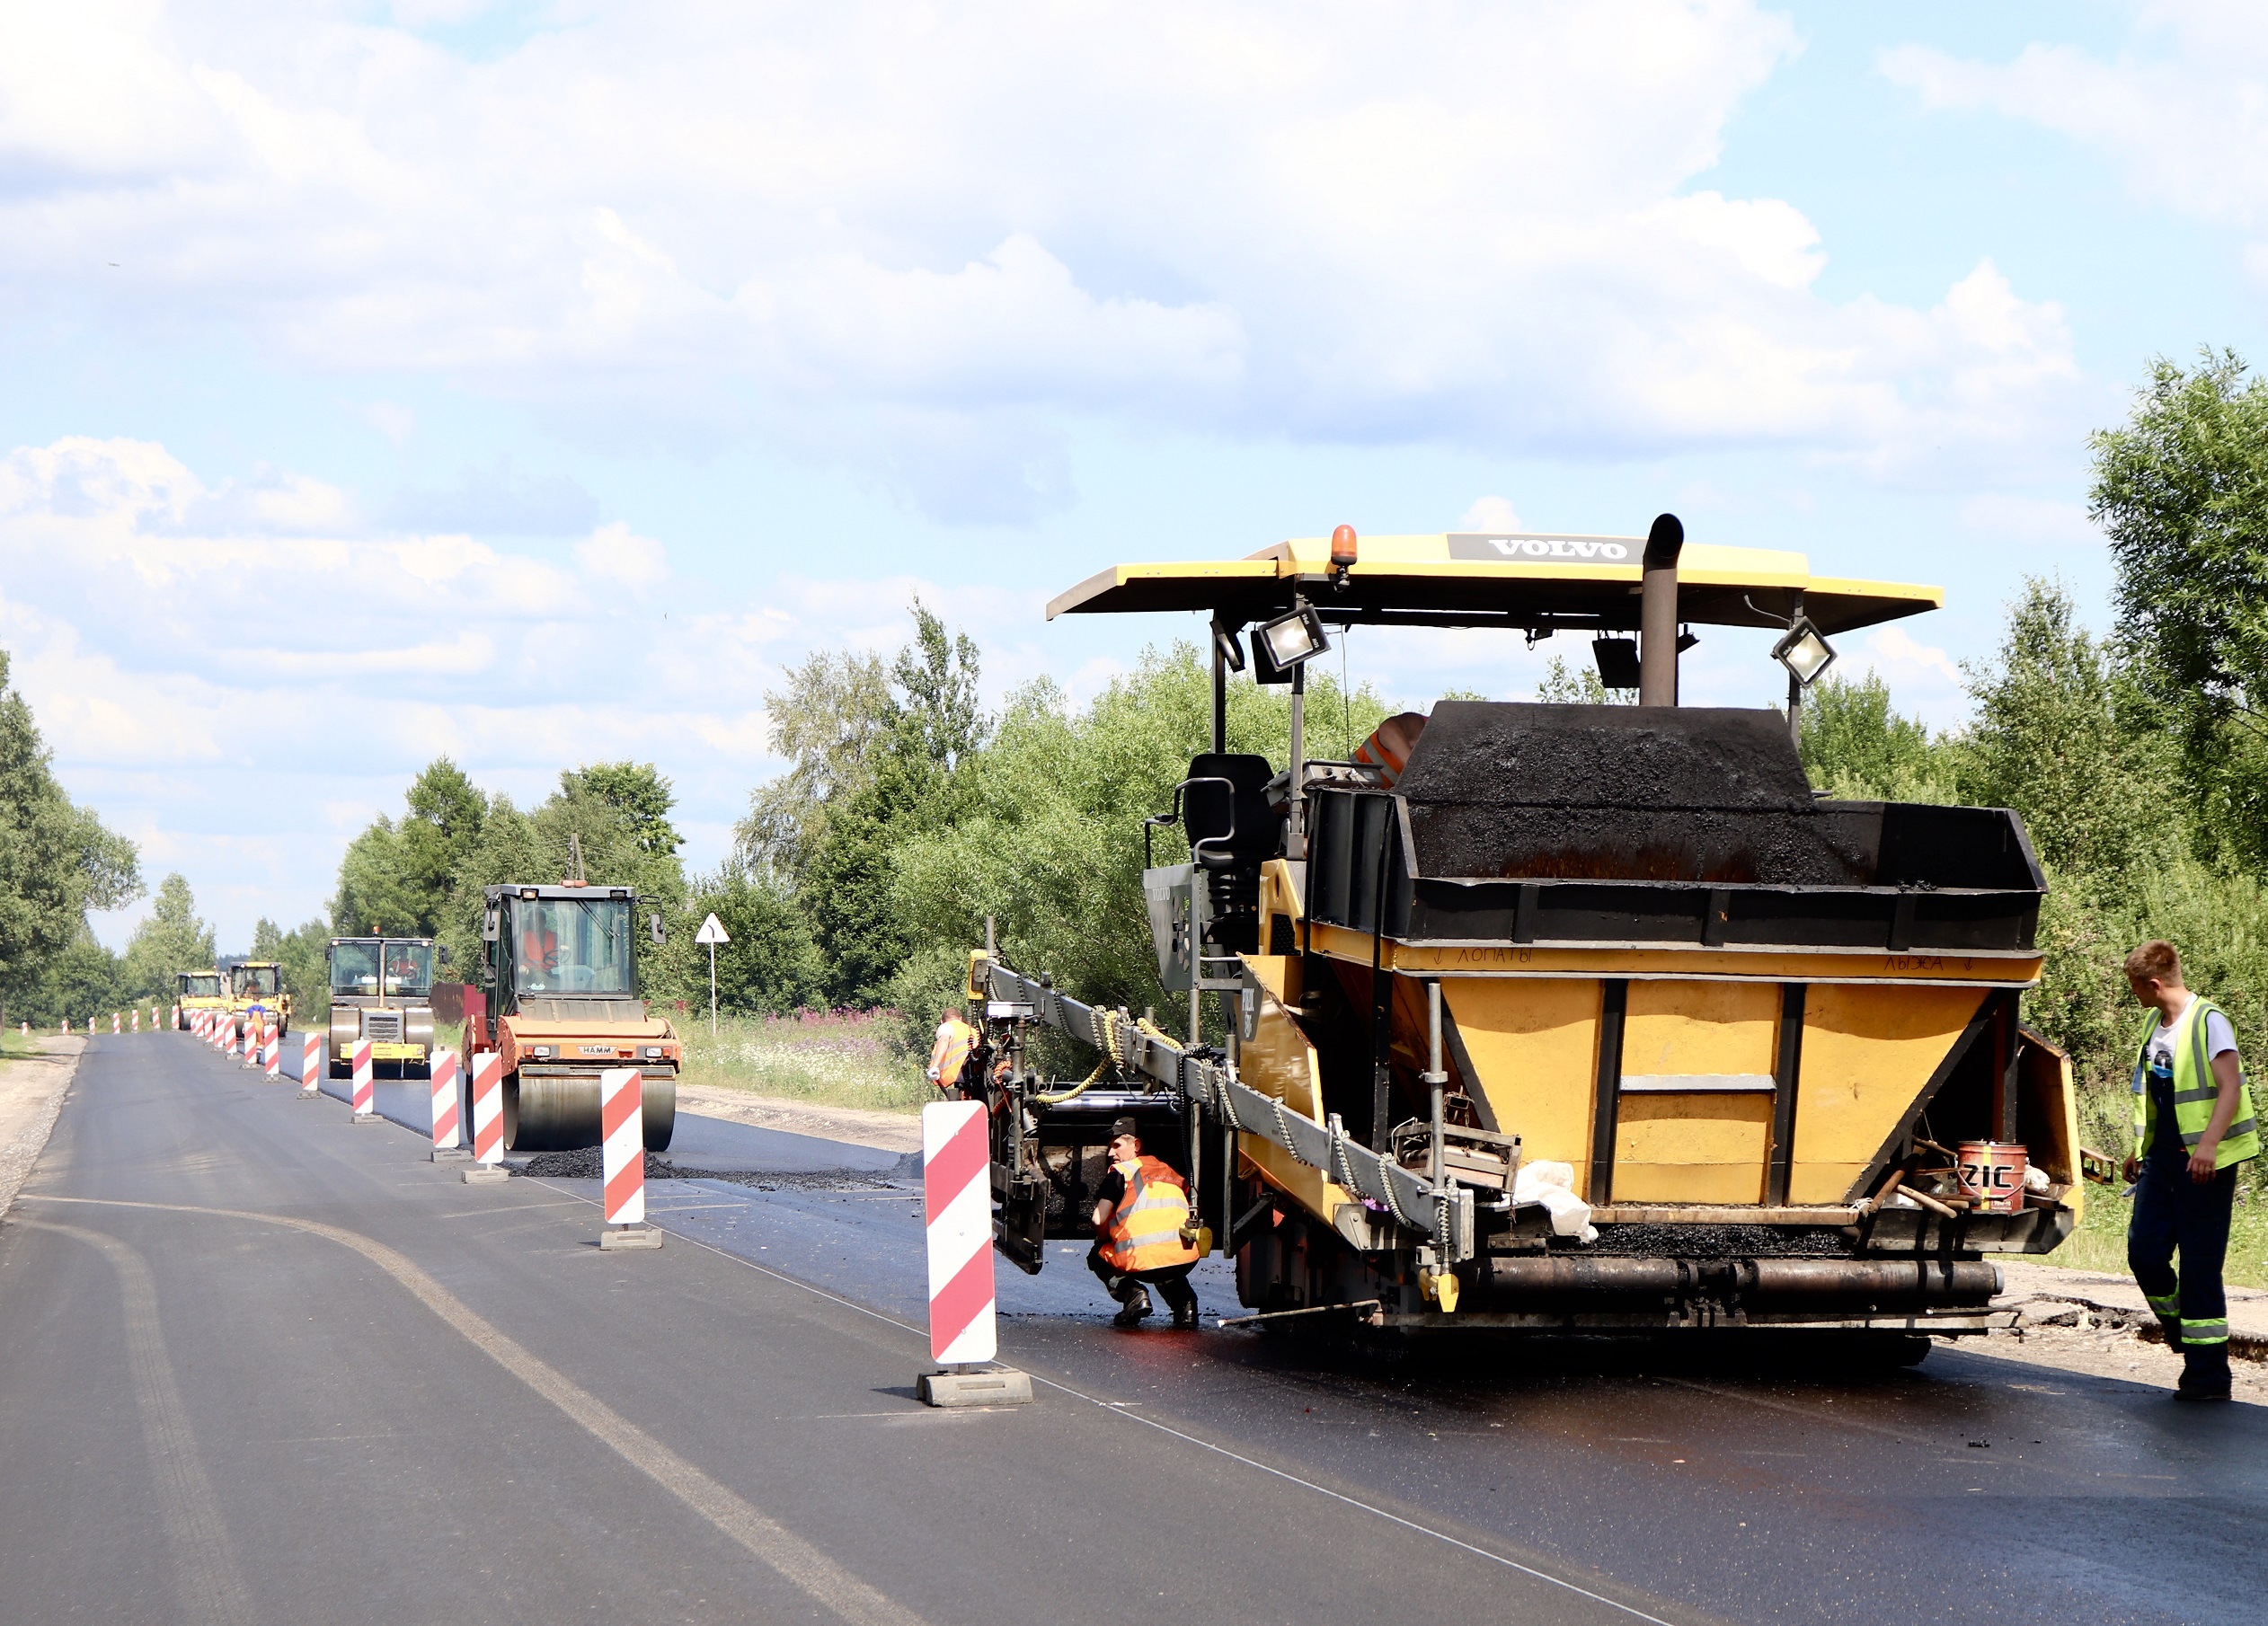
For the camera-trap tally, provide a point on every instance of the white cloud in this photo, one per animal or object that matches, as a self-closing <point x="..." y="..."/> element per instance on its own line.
<point x="1490" y="513"/>
<point x="612" y="554"/>
<point x="919" y="242"/>
<point x="2182" y="111"/>
<point x="2009" y="517"/>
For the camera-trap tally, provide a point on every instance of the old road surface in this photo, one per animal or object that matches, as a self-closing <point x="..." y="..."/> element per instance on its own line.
<point x="258" y="1365"/>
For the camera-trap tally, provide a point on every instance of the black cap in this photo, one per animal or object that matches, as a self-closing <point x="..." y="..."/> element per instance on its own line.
<point x="1124" y="1125"/>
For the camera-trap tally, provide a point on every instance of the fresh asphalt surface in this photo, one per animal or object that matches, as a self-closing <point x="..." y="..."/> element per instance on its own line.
<point x="257" y="1365"/>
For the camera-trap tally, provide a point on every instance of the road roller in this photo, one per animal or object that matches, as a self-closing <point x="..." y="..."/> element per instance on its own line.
<point x="561" y="973"/>
<point x="257" y="997"/>
<point x="195" y="991"/>
<point x="1566" y="1019"/>
<point x="382" y="991"/>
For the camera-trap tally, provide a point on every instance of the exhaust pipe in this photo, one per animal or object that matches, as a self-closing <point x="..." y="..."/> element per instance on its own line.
<point x="1658" y="615"/>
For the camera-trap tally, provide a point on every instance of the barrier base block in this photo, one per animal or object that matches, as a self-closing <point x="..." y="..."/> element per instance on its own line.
<point x="451" y="1154"/>
<point x="629" y="1236"/>
<point x="364" y="1117"/>
<point x="482" y="1174"/>
<point x="974" y="1386"/>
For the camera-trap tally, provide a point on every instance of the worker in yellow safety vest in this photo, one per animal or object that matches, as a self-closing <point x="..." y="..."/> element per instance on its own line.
<point x="948" y="1055"/>
<point x="1140" y="1211"/>
<point x="2193" y="1123"/>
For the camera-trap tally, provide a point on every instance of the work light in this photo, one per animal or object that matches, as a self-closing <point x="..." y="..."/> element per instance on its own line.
<point x="1294" y="638"/>
<point x="1803" y="653"/>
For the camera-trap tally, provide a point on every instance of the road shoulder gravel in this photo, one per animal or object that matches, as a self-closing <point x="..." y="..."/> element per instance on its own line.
<point x="31" y="1092"/>
<point x="884" y="1131"/>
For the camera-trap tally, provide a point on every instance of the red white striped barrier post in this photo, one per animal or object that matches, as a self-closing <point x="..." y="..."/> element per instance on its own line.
<point x="272" y="1053"/>
<point x="956" y="1177"/>
<point x="488" y="1118"/>
<point x="311" y="1065"/>
<point x="255" y="1038"/>
<point x="137" y="1019"/>
<point x="116" y="1027"/>
<point x="447" y="1121"/>
<point x="622" y="1160"/>
<point x="365" y="1089"/>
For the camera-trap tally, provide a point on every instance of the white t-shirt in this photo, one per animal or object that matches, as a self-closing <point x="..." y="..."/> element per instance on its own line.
<point x="2158" y="1053"/>
<point x="2155" y="1072"/>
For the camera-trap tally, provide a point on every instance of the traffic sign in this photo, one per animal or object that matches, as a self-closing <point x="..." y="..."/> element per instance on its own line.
<point x="712" y="931"/>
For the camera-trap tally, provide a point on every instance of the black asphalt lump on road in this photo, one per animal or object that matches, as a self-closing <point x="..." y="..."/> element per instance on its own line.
<point x="251" y="1375"/>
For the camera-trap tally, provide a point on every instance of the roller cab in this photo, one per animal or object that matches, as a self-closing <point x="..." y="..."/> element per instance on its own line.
<point x="256" y="995"/>
<point x="196" y="990"/>
<point x="1562" y="1018"/>
<point x="561" y="968"/>
<point x="382" y="991"/>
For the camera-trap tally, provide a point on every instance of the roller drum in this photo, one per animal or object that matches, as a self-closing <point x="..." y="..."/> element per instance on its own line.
<point x="559" y="1111"/>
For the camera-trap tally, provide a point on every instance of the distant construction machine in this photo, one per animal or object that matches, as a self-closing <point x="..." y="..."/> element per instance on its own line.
<point x="196" y="992"/>
<point x="1590" y="1019"/>
<point x="382" y="991"/>
<point x="257" y="997"/>
<point x="561" y="973"/>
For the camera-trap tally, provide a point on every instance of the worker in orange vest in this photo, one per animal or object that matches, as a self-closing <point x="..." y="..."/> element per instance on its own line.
<point x="948" y="1055"/>
<point x="1140" y="1210"/>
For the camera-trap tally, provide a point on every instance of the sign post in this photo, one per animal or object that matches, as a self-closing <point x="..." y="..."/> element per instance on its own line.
<point x="713" y="933"/>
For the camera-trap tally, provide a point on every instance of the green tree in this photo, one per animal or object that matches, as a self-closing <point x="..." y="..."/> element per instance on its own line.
<point x="637" y="792"/>
<point x="398" y="877"/>
<point x="2055" y="736"/>
<point x="1856" y="747"/>
<point x="2180" y="491"/>
<point x="1048" y="839"/>
<point x="833" y="710"/>
<point x="57" y="860"/>
<point x="620" y="848"/>
<point x="1567" y="686"/>
<point x="170" y="939"/>
<point x="771" y="966"/>
<point x="304" y="957"/>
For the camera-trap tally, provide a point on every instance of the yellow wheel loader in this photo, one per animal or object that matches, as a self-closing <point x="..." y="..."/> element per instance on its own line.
<point x="1590" y="1019"/>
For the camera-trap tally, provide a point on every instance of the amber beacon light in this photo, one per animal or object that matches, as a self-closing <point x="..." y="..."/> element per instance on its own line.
<point x="1342" y="550"/>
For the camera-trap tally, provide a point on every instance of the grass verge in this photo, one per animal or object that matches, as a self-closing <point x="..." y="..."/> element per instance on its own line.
<point x="2100" y="1241"/>
<point x="834" y="1058"/>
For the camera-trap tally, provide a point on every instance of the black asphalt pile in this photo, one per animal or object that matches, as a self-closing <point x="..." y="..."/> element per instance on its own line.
<point x="1516" y="791"/>
<point x="1721" y="1241"/>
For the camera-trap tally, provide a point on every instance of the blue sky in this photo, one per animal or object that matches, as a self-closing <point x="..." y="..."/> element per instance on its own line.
<point x="531" y="382"/>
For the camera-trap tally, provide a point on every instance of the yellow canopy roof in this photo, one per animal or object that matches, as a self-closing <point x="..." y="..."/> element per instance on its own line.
<point x="1487" y="578"/>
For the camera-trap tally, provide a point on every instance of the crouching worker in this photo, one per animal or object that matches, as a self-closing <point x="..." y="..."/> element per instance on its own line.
<point x="2193" y="1123"/>
<point x="1140" y="1209"/>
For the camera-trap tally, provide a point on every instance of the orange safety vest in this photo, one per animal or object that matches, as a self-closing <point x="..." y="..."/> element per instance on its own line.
<point x="955" y="1040"/>
<point x="1146" y="1228"/>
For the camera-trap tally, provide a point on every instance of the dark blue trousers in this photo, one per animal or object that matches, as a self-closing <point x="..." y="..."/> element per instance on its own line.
<point x="2173" y="1214"/>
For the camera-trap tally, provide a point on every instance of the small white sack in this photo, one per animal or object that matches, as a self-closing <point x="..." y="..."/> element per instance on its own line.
<point x="1551" y="1184"/>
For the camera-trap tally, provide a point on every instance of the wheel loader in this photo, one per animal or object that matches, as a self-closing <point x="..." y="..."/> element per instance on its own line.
<point x="561" y="973"/>
<point x="1559" y="1018"/>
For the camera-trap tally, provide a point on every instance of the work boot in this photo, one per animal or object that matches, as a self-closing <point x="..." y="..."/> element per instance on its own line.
<point x="1185" y="1321"/>
<point x="1138" y="1305"/>
<point x="2204" y="1373"/>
